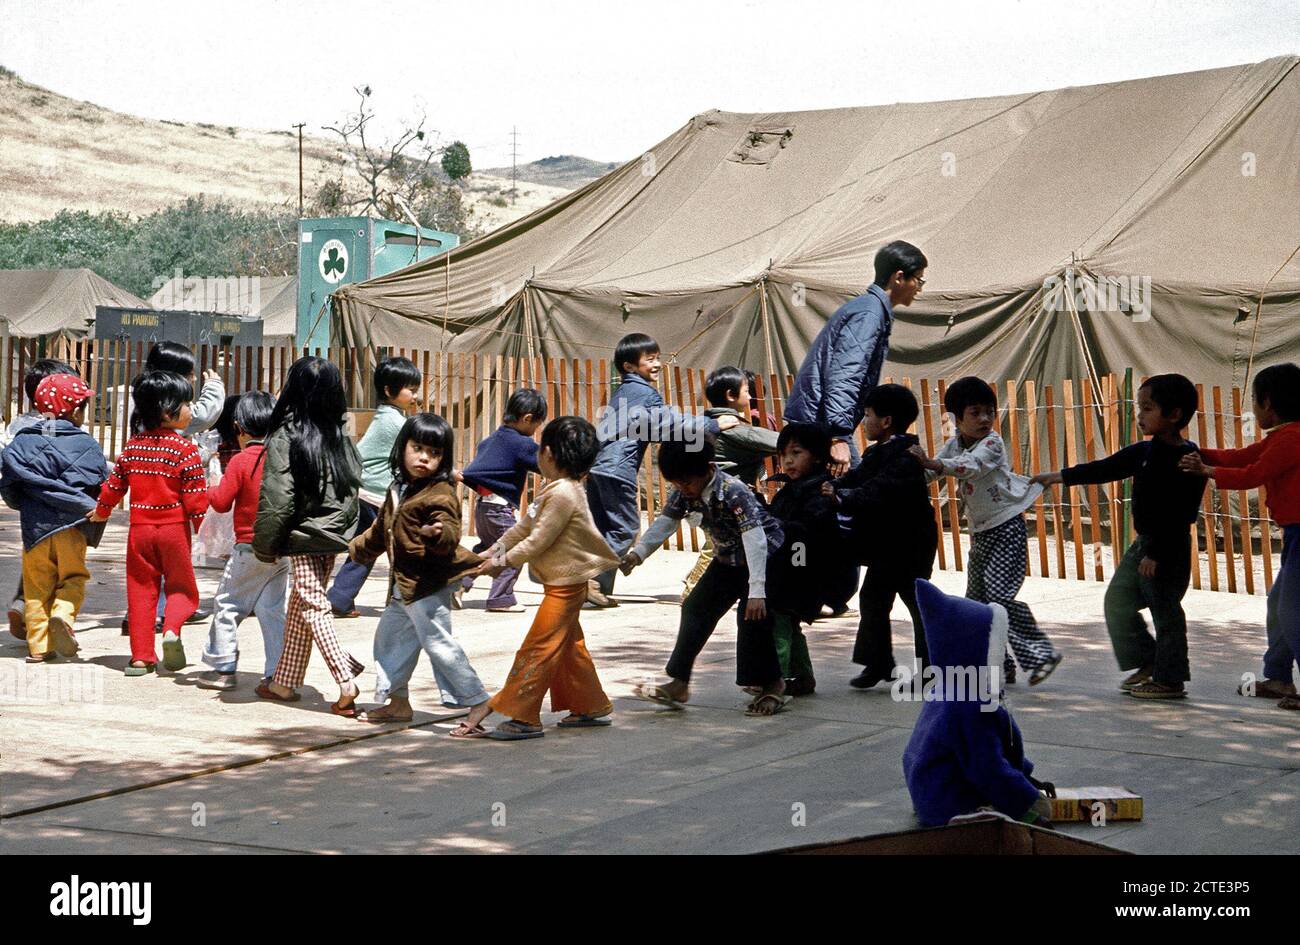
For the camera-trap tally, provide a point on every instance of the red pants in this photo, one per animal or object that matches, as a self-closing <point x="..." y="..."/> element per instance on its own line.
<point x="154" y="553"/>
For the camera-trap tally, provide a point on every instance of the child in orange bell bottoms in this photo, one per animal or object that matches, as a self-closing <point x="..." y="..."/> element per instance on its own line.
<point x="559" y="540"/>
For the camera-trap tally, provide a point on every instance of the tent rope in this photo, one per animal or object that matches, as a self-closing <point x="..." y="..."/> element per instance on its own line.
<point x="1259" y="306"/>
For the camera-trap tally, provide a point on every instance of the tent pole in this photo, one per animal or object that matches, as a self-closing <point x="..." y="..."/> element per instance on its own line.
<point x="767" y="329"/>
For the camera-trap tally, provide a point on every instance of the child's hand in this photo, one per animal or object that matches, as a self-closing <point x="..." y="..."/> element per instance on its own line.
<point x="1048" y="479"/>
<point x="94" y="516"/>
<point x="924" y="460"/>
<point x="211" y="376"/>
<point x="1192" y="463"/>
<point x="457" y="477"/>
<point x="840" y="458"/>
<point x="432" y="531"/>
<point x="629" y="562"/>
<point x="1147" y="567"/>
<point x="727" y="422"/>
<point x="828" y="490"/>
<point x="755" y="608"/>
<point x="489" y="567"/>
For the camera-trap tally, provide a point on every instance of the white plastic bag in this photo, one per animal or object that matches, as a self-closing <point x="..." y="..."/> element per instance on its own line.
<point x="216" y="538"/>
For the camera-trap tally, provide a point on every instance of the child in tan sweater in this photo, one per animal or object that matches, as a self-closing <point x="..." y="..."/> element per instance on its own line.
<point x="564" y="550"/>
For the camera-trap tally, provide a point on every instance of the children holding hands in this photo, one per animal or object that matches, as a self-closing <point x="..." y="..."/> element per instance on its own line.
<point x="419" y="528"/>
<point x="1273" y="463"/>
<point x="744" y="535"/>
<point x="995" y="499"/>
<point x="1155" y="571"/>
<point x="559" y="541"/>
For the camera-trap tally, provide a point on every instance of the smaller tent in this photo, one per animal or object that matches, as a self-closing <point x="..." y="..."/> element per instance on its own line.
<point x="274" y="299"/>
<point x="38" y="303"/>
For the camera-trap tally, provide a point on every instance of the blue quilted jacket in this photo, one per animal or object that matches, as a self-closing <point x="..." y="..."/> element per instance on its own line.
<point x="51" y="473"/>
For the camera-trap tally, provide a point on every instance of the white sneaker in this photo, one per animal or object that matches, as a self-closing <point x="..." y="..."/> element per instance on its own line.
<point x="222" y="682"/>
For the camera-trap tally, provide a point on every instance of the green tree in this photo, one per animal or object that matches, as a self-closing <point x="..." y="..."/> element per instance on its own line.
<point x="455" y="161"/>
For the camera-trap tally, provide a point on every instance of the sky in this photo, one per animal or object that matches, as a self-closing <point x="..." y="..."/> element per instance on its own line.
<point x="603" y="80"/>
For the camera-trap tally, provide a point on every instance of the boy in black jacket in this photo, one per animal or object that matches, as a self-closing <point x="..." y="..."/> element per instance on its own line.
<point x="1157" y="567"/>
<point x="812" y="543"/>
<point x="884" y="506"/>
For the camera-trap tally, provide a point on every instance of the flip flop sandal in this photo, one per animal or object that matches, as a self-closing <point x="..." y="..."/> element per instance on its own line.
<point x="266" y="692"/>
<point x="514" y="732"/>
<point x="348" y="711"/>
<point x="584" y="721"/>
<point x="658" y="696"/>
<point x="173" y="654"/>
<point x="64" y="640"/>
<point x="478" y="731"/>
<point x="781" y="703"/>
<point x="1289" y="702"/>
<point x="144" y="670"/>
<point x="42" y="657"/>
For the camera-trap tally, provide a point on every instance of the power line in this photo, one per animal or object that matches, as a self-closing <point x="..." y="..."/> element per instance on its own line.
<point x="514" y="163"/>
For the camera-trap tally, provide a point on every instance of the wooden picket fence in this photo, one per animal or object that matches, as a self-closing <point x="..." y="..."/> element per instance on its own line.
<point x="1076" y="533"/>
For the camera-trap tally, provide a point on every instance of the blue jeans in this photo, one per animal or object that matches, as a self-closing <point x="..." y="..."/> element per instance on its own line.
<point x="347" y="583"/>
<point x="406" y="629"/>
<point x="248" y="587"/>
<point x="491" y="521"/>
<point x="1284" y="610"/>
<point x="616" y="515"/>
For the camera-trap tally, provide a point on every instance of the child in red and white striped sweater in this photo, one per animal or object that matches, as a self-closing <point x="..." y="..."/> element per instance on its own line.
<point x="164" y="474"/>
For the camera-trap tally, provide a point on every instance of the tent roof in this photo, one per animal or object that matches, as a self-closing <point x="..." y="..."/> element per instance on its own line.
<point x="49" y="301"/>
<point x="274" y="298"/>
<point x="1190" y="179"/>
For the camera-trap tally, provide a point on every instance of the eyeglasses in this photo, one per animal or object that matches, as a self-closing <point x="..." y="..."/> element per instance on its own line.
<point x="919" y="281"/>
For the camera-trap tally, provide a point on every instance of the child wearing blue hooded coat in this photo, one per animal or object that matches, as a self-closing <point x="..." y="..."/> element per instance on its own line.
<point x="966" y="753"/>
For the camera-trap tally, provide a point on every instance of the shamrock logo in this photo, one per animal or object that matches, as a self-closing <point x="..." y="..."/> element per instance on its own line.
<point x="333" y="262"/>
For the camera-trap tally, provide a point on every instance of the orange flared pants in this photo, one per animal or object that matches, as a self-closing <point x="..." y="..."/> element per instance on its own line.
<point x="553" y="656"/>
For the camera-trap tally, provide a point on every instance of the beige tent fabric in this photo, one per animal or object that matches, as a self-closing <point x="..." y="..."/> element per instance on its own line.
<point x="1188" y="185"/>
<point x="273" y="298"/>
<point x="35" y="302"/>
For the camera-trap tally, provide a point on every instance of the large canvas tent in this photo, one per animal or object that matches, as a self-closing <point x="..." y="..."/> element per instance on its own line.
<point x="1175" y="198"/>
<point x="36" y="303"/>
<point x="274" y="299"/>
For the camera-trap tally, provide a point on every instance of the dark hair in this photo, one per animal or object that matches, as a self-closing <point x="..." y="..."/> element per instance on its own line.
<point x="752" y="378"/>
<point x="574" y="444"/>
<point x="170" y="356"/>
<point x="424" y="429"/>
<point x="253" y="412"/>
<point x="157" y="395"/>
<point x="968" y="392"/>
<point x="1280" y="386"/>
<point x="631" y="348"/>
<point x="896" y="402"/>
<point x="724" y="381"/>
<point x="312" y="405"/>
<point x="1173" y="392"/>
<point x="677" y="460"/>
<point x="523" y="402"/>
<point x="808" y="435"/>
<point x="225" y="425"/>
<point x="39" y="371"/>
<point x="395" y="375"/>
<point x="895" y="256"/>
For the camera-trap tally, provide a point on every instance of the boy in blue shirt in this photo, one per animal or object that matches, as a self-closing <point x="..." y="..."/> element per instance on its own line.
<point x="497" y="473"/>
<point x="397" y="385"/>
<point x="636" y="416"/>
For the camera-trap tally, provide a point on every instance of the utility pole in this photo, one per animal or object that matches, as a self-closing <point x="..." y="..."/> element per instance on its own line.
<point x="299" y="127"/>
<point x="514" y="160"/>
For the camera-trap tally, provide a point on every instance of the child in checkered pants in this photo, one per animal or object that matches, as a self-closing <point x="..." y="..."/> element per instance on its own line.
<point x="307" y="510"/>
<point x="995" y="499"/>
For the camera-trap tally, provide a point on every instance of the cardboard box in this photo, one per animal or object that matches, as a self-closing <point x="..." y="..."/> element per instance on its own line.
<point x="1077" y="804"/>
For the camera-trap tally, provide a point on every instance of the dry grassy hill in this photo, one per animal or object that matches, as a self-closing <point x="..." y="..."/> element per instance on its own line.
<point x="57" y="152"/>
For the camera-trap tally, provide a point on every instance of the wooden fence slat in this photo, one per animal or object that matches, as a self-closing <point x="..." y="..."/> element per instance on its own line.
<point x="1058" y="492"/>
<point x="1094" y="510"/>
<point x="1225" y="501"/>
<point x="1035" y="467"/>
<point x="1247" y="552"/>
<point x="927" y="427"/>
<point x="1071" y="459"/>
<point x="954" y="513"/>
<point x="1211" y="542"/>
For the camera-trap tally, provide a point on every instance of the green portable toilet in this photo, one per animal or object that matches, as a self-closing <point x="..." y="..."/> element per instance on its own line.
<point x="335" y="251"/>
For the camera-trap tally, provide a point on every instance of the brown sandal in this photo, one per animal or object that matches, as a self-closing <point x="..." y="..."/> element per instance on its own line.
<point x="1267" y="689"/>
<point x="266" y="692"/>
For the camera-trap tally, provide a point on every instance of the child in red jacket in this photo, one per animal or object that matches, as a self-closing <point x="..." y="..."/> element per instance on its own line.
<point x="248" y="586"/>
<point x="164" y="474"/>
<point x="1275" y="464"/>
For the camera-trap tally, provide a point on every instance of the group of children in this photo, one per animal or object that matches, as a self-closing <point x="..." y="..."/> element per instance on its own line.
<point x="300" y="494"/>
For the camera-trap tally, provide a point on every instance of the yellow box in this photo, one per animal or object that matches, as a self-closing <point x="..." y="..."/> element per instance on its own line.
<point x="1080" y="804"/>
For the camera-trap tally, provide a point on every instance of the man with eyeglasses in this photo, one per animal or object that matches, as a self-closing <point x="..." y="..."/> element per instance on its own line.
<point x="842" y="367"/>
